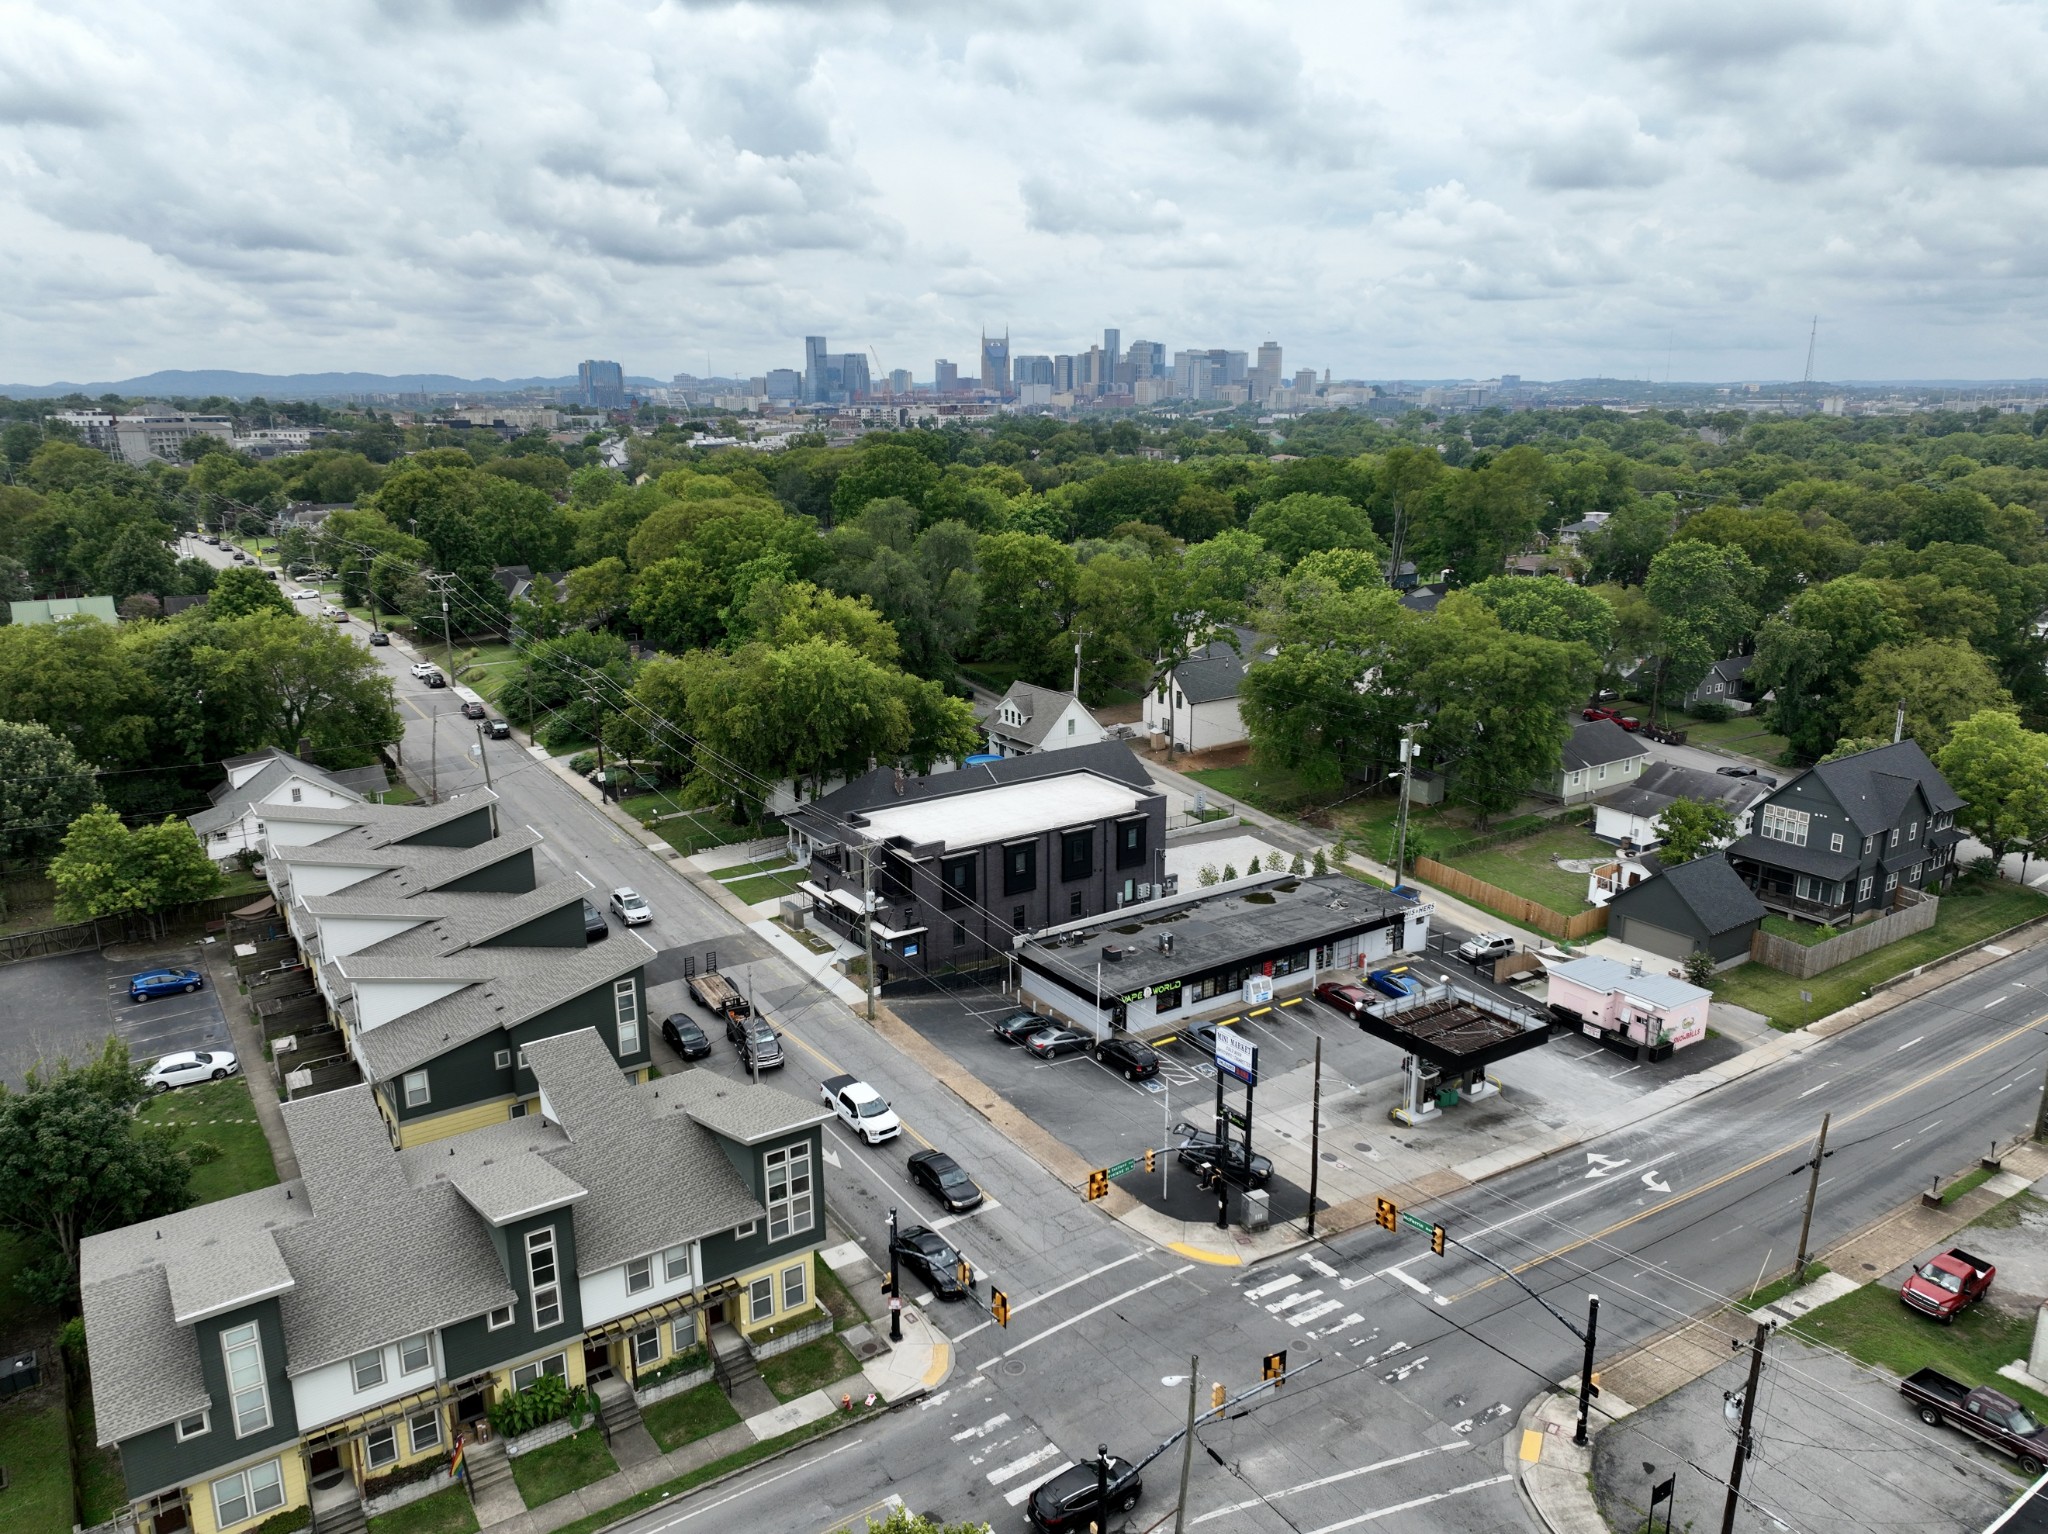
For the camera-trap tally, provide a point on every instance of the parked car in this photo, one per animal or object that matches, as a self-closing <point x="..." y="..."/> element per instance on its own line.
<point x="1737" y="772"/>
<point x="241" y="558"/>
<point x="1947" y="1285"/>
<point x="1199" y="1148"/>
<point x="1627" y="722"/>
<point x="422" y="669"/>
<point x="1993" y="1416"/>
<point x="714" y="993"/>
<point x="474" y="711"/>
<point x="1051" y="1043"/>
<point x="1134" y="1058"/>
<point x="338" y="614"/>
<point x="497" y="729"/>
<point x="630" y="907"/>
<point x="301" y="594"/>
<point x="153" y="983"/>
<point x="1018" y="1026"/>
<point x="940" y="1175"/>
<point x="184" y="1069"/>
<point x="215" y="542"/>
<point x="1351" y="1000"/>
<point x="379" y="640"/>
<point x="1486" y="947"/>
<point x="860" y="1108"/>
<point x="434" y="680"/>
<point x="1394" y="981"/>
<point x="928" y="1254"/>
<point x="684" y="1036"/>
<point x="1203" y="1036"/>
<point x="759" y="1045"/>
<point x="1071" y="1499"/>
<point x="595" y="928"/>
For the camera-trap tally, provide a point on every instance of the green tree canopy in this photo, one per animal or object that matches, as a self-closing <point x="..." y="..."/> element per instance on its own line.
<point x="1029" y="588"/>
<point x="1941" y="682"/>
<point x="1550" y="608"/>
<point x="1300" y="524"/>
<point x="43" y="788"/>
<point x="240" y="591"/>
<point x="1690" y="828"/>
<point x="105" y="869"/>
<point x="2000" y="768"/>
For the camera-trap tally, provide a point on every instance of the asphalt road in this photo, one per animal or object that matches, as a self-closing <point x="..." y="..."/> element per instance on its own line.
<point x="1419" y="1362"/>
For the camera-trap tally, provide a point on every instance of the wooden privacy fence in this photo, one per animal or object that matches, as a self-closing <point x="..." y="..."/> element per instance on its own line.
<point x="1507" y="903"/>
<point x="1912" y="911"/>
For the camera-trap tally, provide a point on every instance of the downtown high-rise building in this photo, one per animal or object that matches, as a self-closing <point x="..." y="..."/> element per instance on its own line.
<point x="1266" y="376"/>
<point x="995" y="363"/>
<point x="899" y="381"/>
<point x="1029" y="369"/>
<point x="850" y="378"/>
<point x="817" y="371"/>
<point x="1113" y="356"/>
<point x="945" y="377"/>
<point x="601" y="385"/>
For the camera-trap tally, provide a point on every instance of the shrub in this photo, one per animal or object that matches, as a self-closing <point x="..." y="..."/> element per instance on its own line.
<point x="201" y="1152"/>
<point x="683" y="1363"/>
<point x="582" y="762"/>
<point x="1229" y="872"/>
<point x="546" y="1400"/>
<point x="1207" y="876"/>
<point x="1712" y="713"/>
<point x="1699" y="968"/>
<point x="1299" y="867"/>
<point x="405" y="1475"/>
<point x="1253" y="866"/>
<point x="1321" y="864"/>
<point x="290" y="1519"/>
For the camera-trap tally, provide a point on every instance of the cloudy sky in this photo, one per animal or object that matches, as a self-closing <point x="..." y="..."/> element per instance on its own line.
<point x="1558" y="188"/>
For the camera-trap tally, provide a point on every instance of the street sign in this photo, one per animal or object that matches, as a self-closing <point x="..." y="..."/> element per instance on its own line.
<point x="1417" y="1222"/>
<point x="1237" y="1056"/>
<point x="1235" y="1119"/>
<point x="1121" y="1167"/>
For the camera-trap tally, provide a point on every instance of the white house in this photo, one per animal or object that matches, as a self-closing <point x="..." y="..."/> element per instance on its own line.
<point x="1628" y="817"/>
<point x="1027" y="719"/>
<point x="270" y="778"/>
<point x="1626" y="871"/>
<point x="1196" y="707"/>
<point x="1600" y="757"/>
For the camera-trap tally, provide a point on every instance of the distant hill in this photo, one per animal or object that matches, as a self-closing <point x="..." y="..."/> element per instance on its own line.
<point x="201" y="382"/>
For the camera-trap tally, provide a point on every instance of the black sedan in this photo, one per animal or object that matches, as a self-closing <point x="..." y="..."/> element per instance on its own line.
<point x="1018" y="1026"/>
<point x="1134" y="1058"/>
<point x="1200" y="1149"/>
<point x="1051" y="1043"/>
<point x="940" y="1175"/>
<point x="434" y="679"/>
<point x="684" y="1036"/>
<point x="595" y="928"/>
<point x="497" y="729"/>
<point x="1071" y="1499"/>
<point x="927" y="1254"/>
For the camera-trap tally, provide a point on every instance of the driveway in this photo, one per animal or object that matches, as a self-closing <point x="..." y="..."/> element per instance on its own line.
<point x="64" y="1008"/>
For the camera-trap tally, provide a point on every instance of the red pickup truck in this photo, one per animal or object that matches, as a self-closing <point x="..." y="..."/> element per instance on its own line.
<point x="1992" y="1416"/>
<point x="1945" y="1286"/>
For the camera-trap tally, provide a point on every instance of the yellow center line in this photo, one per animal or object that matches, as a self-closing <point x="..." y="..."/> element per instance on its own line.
<point x="833" y="1068"/>
<point x="1803" y="1142"/>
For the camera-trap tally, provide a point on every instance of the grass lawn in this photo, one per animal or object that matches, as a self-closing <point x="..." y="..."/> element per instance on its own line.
<point x="1744" y="733"/>
<point x="483" y="667"/>
<point x="1777" y="1289"/>
<point x="1804" y="933"/>
<point x="445" y="1512"/>
<point x="767" y="886"/>
<point x="705" y="826"/>
<point x="104" y="1488"/>
<point x="218" y="1113"/>
<point x="690" y="1416"/>
<point x="1972" y="911"/>
<point x="837" y="1298"/>
<point x="810" y="1367"/>
<point x="560" y="1468"/>
<point x="400" y="792"/>
<point x="1872" y="1325"/>
<point x="1525" y="867"/>
<point x="38" y="1495"/>
<point x="1272" y="789"/>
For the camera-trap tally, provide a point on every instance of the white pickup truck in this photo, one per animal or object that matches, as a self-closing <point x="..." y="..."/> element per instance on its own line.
<point x="864" y="1110"/>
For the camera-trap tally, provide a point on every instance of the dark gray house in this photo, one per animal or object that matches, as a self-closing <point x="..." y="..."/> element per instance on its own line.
<point x="1697" y="907"/>
<point x="1723" y="683"/>
<point x="951" y="866"/>
<point x="1838" y="842"/>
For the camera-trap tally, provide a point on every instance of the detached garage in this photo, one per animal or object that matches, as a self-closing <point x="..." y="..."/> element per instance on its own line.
<point x="1701" y="906"/>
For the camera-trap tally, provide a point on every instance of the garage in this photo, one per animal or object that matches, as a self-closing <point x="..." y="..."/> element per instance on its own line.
<point x="1638" y="933"/>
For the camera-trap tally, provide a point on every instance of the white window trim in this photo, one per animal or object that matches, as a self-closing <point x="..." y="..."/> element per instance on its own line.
<point x="802" y="1278"/>
<point x="639" y="1275"/>
<point x="262" y="1386"/>
<point x="756" y="1313"/>
<point x="539" y="1367"/>
<point x="204" y="1417"/>
<point x="240" y="1480"/>
<point x="509" y="1312"/>
<point x="546" y="1294"/>
<point x="431" y="1416"/>
<point x="648" y="1334"/>
<point x="504" y="1060"/>
<point x="417" y="1081"/>
<point x="793" y="1159"/>
<point x="388" y="1430"/>
<point x="676" y="1341"/>
<point x="626" y="1010"/>
<point x="1835" y="841"/>
<point x="671" y="1272"/>
<point x="375" y="1359"/>
<point x="426" y="1343"/>
<point x="742" y="1232"/>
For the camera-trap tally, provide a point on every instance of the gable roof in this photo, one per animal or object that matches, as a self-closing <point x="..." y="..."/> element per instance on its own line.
<point x="55" y="609"/>
<point x="1215" y="672"/>
<point x="232" y="800"/>
<point x="1039" y="707"/>
<point x="1596" y="742"/>
<point x="1710" y="889"/>
<point x="879" y="789"/>
<point x="1873" y="787"/>
<point x="1663" y="783"/>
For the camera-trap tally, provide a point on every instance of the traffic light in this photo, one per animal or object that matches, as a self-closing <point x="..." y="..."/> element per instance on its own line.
<point x="1151" y="1159"/>
<point x="1389" y="1214"/>
<point x="1098" y="1184"/>
<point x="1216" y="1396"/>
<point x="965" y="1273"/>
<point x="999" y="1307"/>
<point x="1436" y="1239"/>
<point x="1275" y="1367"/>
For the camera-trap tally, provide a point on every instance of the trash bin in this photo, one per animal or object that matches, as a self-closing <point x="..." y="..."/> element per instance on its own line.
<point x="1258" y="1213"/>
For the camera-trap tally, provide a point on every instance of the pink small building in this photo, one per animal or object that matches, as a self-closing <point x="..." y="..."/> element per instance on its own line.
<point x="1619" y="999"/>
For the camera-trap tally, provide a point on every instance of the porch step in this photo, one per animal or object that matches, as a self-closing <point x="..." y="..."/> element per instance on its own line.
<point x="619" y="1412"/>
<point x="488" y="1469"/>
<point x="732" y="1364"/>
<point x="345" y="1517"/>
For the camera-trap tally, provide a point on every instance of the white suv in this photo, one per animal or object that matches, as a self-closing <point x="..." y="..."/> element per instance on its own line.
<point x="422" y="669"/>
<point x="630" y="907"/>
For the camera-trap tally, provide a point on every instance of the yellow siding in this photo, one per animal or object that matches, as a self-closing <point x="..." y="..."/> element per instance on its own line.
<point x="402" y="1436"/>
<point x="775" y="1270"/>
<point x="440" y="1126"/>
<point x="290" y="1461"/>
<point x="571" y="1349"/>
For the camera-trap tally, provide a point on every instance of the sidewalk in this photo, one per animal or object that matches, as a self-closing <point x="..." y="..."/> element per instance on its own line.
<point x="218" y="957"/>
<point x="1555" y="1474"/>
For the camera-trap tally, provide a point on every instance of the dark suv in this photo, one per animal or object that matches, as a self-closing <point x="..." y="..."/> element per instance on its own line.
<point x="760" y="1046"/>
<point x="595" y="928"/>
<point x="1133" y="1057"/>
<point x="1070" y="1499"/>
<point x="1019" y="1026"/>
<point x="1200" y="1149"/>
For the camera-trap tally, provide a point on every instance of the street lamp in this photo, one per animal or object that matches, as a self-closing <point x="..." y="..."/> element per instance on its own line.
<point x="895" y="1293"/>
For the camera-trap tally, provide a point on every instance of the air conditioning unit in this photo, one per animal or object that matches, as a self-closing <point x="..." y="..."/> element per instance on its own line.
<point x="1112" y="953"/>
<point x="1166" y="942"/>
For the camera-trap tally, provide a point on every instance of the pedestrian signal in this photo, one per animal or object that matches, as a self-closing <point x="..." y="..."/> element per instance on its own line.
<point x="999" y="1307"/>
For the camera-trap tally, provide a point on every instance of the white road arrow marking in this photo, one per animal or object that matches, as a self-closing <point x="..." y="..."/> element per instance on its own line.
<point x="1598" y="1165"/>
<point x="1655" y="1183"/>
<point x="831" y="1159"/>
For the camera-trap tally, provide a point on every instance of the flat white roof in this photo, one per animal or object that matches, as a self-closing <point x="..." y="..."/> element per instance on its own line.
<point x="1008" y="810"/>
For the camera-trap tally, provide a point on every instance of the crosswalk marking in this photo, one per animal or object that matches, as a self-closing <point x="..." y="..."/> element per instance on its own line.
<point x="1303" y="1317"/>
<point x="1273" y="1288"/>
<point x="984" y="1430"/>
<point x="1017" y="1467"/>
<point x="1300" y="1298"/>
<point x="1016" y="1498"/>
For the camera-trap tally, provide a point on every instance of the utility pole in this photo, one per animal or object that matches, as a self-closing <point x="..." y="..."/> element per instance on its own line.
<point x="2041" y="1115"/>
<point x="1742" y="1445"/>
<point x="1401" y="824"/>
<point x="1315" y="1136"/>
<point x="867" y="925"/>
<point x="1820" y="1151"/>
<point x="1899" y="722"/>
<point x="1077" y="666"/>
<point x="895" y="1289"/>
<point x="434" y="758"/>
<point x="485" y="757"/>
<point x="1586" y="1368"/>
<point x="1187" y="1447"/>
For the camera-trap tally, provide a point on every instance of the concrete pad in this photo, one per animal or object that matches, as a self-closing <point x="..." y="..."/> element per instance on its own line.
<point x="844" y="1255"/>
<point x="919" y="1363"/>
<point x="791" y="1415"/>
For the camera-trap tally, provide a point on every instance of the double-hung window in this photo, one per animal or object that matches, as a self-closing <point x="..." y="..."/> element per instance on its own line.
<point x="795" y="1287"/>
<point x="626" y="1004"/>
<point x="1783" y="825"/>
<point x="789" y="1191"/>
<point x="760" y="1299"/>
<point x="526" y="1374"/>
<point x="368" y="1369"/>
<point x="248" y="1494"/>
<point x="417" y="1093"/>
<point x="248" y="1394"/>
<point x="639" y="1274"/>
<point x="380" y="1446"/>
<point x="544" y="1272"/>
<point x="425" y="1428"/>
<point x="1863" y="889"/>
<point x="647" y="1348"/>
<point x="415" y="1354"/>
<point x="675" y="1265"/>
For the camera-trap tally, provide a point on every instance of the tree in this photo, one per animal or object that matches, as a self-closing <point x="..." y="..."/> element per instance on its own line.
<point x="2000" y="769"/>
<point x="105" y="869"/>
<point x="138" y="561"/>
<point x="1219" y="578"/>
<point x="1701" y="593"/>
<point x="1690" y="828"/>
<point x="238" y="592"/>
<point x="43" y="788"/>
<point x="1136" y="492"/>
<point x="81" y="678"/>
<point x="884" y="470"/>
<point x="517" y="524"/>
<point x="1621" y="548"/>
<point x="902" y="1520"/>
<point x="1941" y="682"/>
<point x="1550" y="608"/>
<point x="1472" y="521"/>
<point x="1808" y="657"/>
<point x="1298" y="525"/>
<point x="299" y="680"/>
<point x="783" y="613"/>
<point x="600" y="593"/>
<point x="75" y="1161"/>
<point x="540" y="614"/>
<point x="1029" y="586"/>
<point x="1118" y="621"/>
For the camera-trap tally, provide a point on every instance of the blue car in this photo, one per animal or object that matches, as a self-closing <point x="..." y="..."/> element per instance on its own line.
<point x="164" y="982"/>
<point x="1393" y="982"/>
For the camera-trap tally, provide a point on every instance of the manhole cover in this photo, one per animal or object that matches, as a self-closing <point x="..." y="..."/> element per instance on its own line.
<point x="1012" y="1367"/>
<point x="1363" y="1145"/>
<point x="1329" y="1155"/>
<point x="1870" y="1267"/>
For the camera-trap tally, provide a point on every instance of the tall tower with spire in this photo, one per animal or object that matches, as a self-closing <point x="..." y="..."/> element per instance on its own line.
<point x="995" y="364"/>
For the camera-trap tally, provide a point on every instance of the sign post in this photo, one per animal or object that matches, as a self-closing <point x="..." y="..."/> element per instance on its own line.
<point x="1238" y="1057"/>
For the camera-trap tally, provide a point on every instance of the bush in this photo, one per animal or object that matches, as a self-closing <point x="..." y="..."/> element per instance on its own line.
<point x="1712" y="713"/>
<point x="290" y="1519"/>
<point x="683" y="1363"/>
<point x="405" y="1475"/>
<point x="583" y="762"/>
<point x="1298" y="867"/>
<point x="546" y="1400"/>
<point x="1322" y="864"/>
<point x="1699" y="969"/>
<point x="201" y="1152"/>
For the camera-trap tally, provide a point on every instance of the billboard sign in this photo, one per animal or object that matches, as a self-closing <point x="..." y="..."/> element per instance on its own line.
<point x="1237" y="1056"/>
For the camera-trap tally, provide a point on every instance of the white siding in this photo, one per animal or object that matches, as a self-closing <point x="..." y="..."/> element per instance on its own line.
<point x="604" y="1293"/>
<point x="303" y="833"/>
<point x="344" y="935"/>
<point x="311" y="794"/>
<point x="328" y="1393"/>
<point x="379" y="1001"/>
<point x="309" y="881"/>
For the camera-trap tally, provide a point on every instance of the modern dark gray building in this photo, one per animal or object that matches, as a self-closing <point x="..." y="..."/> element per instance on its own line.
<point x="1697" y="907"/>
<point x="601" y="384"/>
<point x="951" y="867"/>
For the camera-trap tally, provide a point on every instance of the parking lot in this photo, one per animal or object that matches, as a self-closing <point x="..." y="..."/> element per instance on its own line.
<point x="64" y="1008"/>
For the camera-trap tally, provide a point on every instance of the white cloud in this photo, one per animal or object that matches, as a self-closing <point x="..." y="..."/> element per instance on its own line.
<point x="1554" y="188"/>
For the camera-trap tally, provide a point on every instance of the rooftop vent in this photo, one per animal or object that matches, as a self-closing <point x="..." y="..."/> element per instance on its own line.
<point x="1112" y="953"/>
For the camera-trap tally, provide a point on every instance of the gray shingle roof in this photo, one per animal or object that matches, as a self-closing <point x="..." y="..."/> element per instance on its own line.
<point x="1663" y="782"/>
<point x="507" y="986"/>
<point x="403" y="870"/>
<point x="224" y="1271"/>
<point x="381" y="825"/>
<point x="231" y="801"/>
<point x="1216" y="671"/>
<point x="1040" y="707"/>
<point x="1805" y="860"/>
<point x="1872" y="786"/>
<point x="1711" y="890"/>
<point x="653" y="1182"/>
<point x="746" y="1113"/>
<point x="1597" y="741"/>
<point x="452" y="920"/>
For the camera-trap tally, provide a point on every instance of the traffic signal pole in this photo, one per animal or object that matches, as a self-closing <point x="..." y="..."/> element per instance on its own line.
<point x="1187" y="1448"/>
